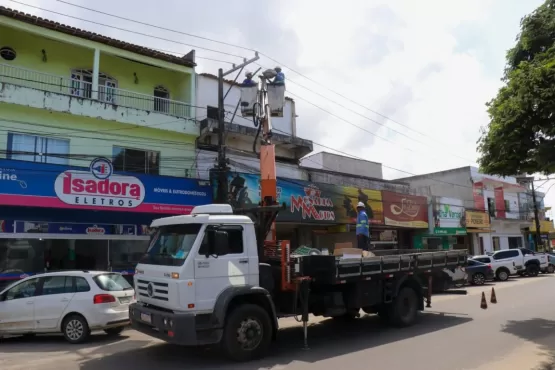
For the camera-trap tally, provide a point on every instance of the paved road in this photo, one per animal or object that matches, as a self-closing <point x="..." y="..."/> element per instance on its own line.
<point x="517" y="333"/>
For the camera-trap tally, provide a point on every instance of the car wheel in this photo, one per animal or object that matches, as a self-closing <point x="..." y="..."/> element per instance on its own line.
<point x="478" y="278"/>
<point x="550" y="269"/>
<point x="502" y="275"/>
<point x="532" y="270"/>
<point x="75" y="329"/>
<point x="114" y="331"/>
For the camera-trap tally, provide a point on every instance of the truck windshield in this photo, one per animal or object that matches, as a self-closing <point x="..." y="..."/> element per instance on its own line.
<point x="171" y="244"/>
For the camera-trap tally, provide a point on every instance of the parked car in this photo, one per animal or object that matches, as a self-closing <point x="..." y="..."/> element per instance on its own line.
<point x="479" y="273"/>
<point x="551" y="266"/>
<point x="502" y="268"/>
<point x="71" y="302"/>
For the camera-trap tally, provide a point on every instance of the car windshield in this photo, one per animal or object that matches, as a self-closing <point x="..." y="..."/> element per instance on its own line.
<point x="112" y="282"/>
<point x="171" y="244"/>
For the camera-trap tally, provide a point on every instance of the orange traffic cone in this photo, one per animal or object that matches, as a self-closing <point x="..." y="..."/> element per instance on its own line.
<point x="493" y="297"/>
<point x="484" y="303"/>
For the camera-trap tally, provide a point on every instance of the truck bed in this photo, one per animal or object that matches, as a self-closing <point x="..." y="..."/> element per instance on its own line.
<point x="335" y="270"/>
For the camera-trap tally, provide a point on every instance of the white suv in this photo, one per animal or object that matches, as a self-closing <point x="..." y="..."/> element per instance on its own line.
<point x="71" y="302"/>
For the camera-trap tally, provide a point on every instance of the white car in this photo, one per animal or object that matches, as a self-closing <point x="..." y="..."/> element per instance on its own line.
<point x="71" y="302"/>
<point x="502" y="267"/>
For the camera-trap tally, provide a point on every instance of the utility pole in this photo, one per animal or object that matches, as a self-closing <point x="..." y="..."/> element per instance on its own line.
<point x="221" y="166"/>
<point x="536" y="217"/>
<point x="530" y="181"/>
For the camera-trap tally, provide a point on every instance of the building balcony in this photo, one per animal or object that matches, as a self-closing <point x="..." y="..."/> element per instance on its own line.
<point x="75" y="96"/>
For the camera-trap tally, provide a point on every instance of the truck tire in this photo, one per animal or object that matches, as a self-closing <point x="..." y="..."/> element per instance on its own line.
<point x="404" y="309"/>
<point x="532" y="270"/>
<point x="247" y="333"/>
<point x="502" y="274"/>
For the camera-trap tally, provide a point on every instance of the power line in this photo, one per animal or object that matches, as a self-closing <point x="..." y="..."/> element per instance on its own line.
<point x="155" y="26"/>
<point x="274" y="60"/>
<point x="126" y="30"/>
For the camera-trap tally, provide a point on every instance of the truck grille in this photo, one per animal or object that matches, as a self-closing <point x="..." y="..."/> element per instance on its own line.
<point x="153" y="289"/>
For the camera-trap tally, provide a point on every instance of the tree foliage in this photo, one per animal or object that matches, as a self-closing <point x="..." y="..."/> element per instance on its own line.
<point x="520" y="138"/>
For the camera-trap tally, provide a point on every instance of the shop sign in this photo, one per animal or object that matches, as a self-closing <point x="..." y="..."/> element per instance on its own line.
<point x="30" y="227"/>
<point x="545" y="227"/>
<point x="449" y="231"/>
<point x="306" y="201"/>
<point x="405" y="210"/>
<point x="478" y="220"/>
<point x="98" y="187"/>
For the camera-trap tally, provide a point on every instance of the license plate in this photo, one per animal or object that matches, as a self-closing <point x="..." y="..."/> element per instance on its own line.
<point x="146" y="317"/>
<point x="125" y="299"/>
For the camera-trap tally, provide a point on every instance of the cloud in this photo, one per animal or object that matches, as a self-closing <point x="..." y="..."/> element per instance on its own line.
<point x="430" y="65"/>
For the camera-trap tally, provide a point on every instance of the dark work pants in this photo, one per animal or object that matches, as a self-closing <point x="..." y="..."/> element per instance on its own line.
<point x="362" y="241"/>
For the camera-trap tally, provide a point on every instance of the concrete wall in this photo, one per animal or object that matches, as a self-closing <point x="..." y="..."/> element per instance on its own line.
<point x="357" y="182"/>
<point x="453" y="184"/>
<point x="96" y="138"/>
<point x="207" y="94"/>
<point x="337" y="163"/>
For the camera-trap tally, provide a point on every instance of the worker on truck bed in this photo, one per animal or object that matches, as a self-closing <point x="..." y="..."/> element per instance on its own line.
<point x="363" y="227"/>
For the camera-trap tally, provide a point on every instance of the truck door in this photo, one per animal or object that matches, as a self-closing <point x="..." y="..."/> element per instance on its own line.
<point x="216" y="273"/>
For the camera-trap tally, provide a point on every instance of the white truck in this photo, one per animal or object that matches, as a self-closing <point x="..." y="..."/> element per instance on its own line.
<point x="525" y="261"/>
<point x="207" y="280"/>
<point x="502" y="268"/>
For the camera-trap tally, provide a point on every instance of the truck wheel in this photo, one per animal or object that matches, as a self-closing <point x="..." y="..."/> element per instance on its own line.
<point x="502" y="275"/>
<point x="405" y="308"/>
<point x="247" y="333"/>
<point x="532" y="269"/>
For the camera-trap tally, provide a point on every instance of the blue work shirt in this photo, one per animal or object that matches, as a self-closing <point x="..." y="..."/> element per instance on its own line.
<point x="249" y="82"/>
<point x="280" y="78"/>
<point x="362" y="224"/>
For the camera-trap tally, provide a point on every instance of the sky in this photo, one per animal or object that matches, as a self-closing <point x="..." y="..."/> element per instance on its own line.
<point x="400" y="82"/>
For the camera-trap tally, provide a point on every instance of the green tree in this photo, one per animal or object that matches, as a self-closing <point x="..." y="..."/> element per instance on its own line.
<point x="520" y="137"/>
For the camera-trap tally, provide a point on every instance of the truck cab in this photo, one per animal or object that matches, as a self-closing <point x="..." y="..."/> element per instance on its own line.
<point x="194" y="266"/>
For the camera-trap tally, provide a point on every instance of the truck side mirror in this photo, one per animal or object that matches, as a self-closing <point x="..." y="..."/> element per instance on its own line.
<point x="221" y="243"/>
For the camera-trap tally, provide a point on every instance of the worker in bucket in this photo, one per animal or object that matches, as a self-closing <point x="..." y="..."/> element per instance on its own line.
<point x="248" y="82"/>
<point x="363" y="227"/>
<point x="280" y="77"/>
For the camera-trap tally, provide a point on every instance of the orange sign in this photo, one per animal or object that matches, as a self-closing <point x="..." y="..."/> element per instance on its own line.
<point x="405" y="210"/>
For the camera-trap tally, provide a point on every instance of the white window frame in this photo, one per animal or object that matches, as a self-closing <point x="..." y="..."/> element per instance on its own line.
<point x="39" y="154"/>
<point x="82" y="88"/>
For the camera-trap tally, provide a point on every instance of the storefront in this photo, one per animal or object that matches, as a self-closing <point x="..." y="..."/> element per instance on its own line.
<point x="478" y="227"/>
<point x="546" y="228"/>
<point x="56" y="217"/>
<point x="448" y="230"/>
<point x="322" y="215"/>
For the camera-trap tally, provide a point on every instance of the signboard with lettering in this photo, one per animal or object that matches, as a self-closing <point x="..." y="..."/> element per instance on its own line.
<point x="97" y="187"/>
<point x="478" y="220"/>
<point x="405" y="210"/>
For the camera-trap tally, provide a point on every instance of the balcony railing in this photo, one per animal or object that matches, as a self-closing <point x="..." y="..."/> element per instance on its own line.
<point x="106" y="93"/>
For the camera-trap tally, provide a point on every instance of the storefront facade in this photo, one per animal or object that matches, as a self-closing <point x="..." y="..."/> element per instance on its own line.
<point x="55" y="217"/>
<point x="322" y="215"/>
<point x="448" y="229"/>
<point x="478" y="227"/>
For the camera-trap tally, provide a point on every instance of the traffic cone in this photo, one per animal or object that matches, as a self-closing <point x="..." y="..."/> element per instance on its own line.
<point x="484" y="303"/>
<point x="493" y="297"/>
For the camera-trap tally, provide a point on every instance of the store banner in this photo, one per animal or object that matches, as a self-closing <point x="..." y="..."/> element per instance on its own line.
<point x="306" y="201"/>
<point x="545" y="227"/>
<point x="97" y="188"/>
<point x="477" y="220"/>
<point x="478" y="193"/>
<point x="449" y="216"/>
<point x="30" y="227"/>
<point x="405" y="210"/>
<point x="499" y="196"/>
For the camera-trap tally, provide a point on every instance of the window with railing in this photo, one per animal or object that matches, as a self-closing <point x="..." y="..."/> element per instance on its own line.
<point x="491" y="207"/>
<point x="32" y="148"/>
<point x="136" y="160"/>
<point x="81" y="85"/>
<point x="161" y="99"/>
